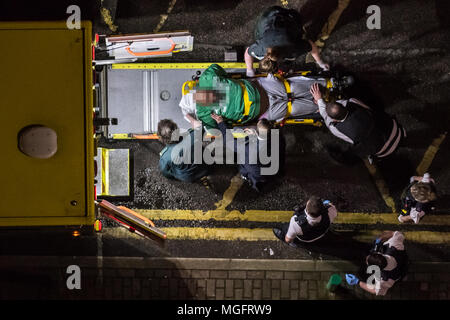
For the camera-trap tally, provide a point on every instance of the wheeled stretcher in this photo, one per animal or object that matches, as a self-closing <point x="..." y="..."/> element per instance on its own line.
<point x="138" y="95"/>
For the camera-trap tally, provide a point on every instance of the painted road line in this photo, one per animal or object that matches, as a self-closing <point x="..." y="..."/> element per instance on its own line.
<point x="429" y="155"/>
<point x="331" y="23"/>
<point x="266" y="234"/>
<point x="381" y="185"/>
<point x="282" y="216"/>
<point x="228" y="195"/>
<point x="164" y="17"/>
<point x="107" y="19"/>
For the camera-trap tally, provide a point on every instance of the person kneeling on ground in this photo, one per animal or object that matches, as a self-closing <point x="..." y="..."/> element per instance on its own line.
<point x="262" y="141"/>
<point x="309" y="223"/>
<point x="418" y="198"/>
<point x="173" y="163"/>
<point x="372" y="135"/>
<point x="388" y="256"/>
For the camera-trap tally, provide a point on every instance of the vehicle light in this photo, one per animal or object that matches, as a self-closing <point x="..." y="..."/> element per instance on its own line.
<point x="98" y="225"/>
<point x="76" y="233"/>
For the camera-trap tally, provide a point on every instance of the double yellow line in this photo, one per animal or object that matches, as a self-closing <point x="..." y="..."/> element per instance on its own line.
<point x="265" y="234"/>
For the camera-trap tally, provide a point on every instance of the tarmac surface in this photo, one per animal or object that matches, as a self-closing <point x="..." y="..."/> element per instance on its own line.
<point x="403" y="68"/>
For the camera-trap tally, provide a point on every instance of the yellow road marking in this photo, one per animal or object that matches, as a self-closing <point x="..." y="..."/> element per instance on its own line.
<point x="228" y="195"/>
<point x="106" y="16"/>
<point x="429" y="155"/>
<point x="266" y="234"/>
<point x="381" y="185"/>
<point x="282" y="216"/>
<point x="165" y="16"/>
<point x="331" y="22"/>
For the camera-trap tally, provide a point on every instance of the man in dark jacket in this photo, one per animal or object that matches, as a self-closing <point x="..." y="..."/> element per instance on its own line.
<point x="263" y="152"/>
<point x="177" y="159"/>
<point x="387" y="263"/>
<point x="373" y="135"/>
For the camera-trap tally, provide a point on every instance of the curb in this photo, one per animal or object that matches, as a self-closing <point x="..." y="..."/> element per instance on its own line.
<point x="202" y="264"/>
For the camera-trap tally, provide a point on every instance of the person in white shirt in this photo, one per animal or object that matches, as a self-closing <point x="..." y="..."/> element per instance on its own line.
<point x="308" y="224"/>
<point x="418" y="198"/>
<point x="389" y="256"/>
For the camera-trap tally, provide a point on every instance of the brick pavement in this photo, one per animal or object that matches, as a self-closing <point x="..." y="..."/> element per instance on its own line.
<point x="202" y="279"/>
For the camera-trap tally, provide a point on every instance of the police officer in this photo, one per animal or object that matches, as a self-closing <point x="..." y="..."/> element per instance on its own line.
<point x="418" y="198"/>
<point x="388" y="255"/>
<point x="279" y="36"/>
<point x="265" y="142"/>
<point x="177" y="159"/>
<point x="372" y="135"/>
<point x="309" y="223"/>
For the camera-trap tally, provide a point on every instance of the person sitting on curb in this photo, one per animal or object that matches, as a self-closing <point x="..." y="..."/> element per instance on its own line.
<point x="172" y="162"/>
<point x="252" y="172"/>
<point x="388" y="256"/>
<point x="372" y="135"/>
<point x="279" y="36"/>
<point x="309" y="223"/>
<point x="418" y="198"/>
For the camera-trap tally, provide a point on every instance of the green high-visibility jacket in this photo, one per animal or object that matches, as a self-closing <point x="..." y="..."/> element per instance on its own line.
<point x="240" y="102"/>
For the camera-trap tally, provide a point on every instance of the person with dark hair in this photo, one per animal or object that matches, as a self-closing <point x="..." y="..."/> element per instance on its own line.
<point x="387" y="263"/>
<point x="262" y="140"/>
<point x="418" y="198"/>
<point x="309" y="223"/>
<point x="177" y="159"/>
<point x="372" y="134"/>
<point x="279" y="36"/>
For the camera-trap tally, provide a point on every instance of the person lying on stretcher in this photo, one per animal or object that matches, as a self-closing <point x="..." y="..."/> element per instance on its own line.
<point x="245" y="100"/>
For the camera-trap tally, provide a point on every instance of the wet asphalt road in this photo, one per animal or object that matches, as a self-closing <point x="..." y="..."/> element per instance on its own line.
<point x="404" y="68"/>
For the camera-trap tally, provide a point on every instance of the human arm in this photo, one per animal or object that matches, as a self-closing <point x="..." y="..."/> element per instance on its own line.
<point x="394" y="239"/>
<point x="249" y="64"/>
<point x="315" y="53"/>
<point x="194" y="122"/>
<point x="317" y="95"/>
<point x="318" y="99"/>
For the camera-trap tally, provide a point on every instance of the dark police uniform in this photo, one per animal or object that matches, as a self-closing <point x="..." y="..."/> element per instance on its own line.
<point x="279" y="27"/>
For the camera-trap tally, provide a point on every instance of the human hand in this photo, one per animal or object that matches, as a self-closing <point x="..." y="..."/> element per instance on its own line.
<point x="324" y="66"/>
<point x="196" y="124"/>
<point x="351" y="279"/>
<point x="217" y="118"/>
<point x="249" y="131"/>
<point x="315" y="91"/>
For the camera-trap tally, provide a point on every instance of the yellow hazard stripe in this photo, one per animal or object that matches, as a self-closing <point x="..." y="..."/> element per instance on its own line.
<point x="283" y="216"/>
<point x="105" y="171"/>
<point x="184" y="65"/>
<point x="266" y="234"/>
